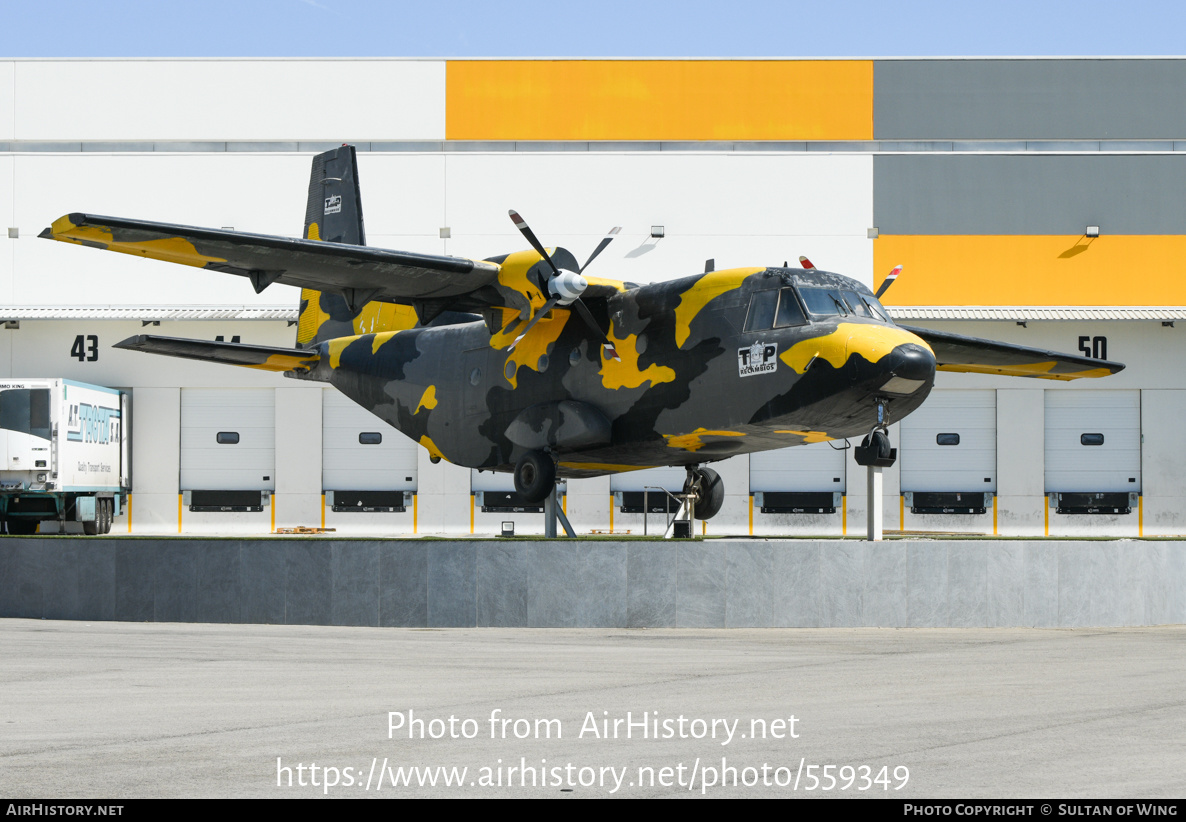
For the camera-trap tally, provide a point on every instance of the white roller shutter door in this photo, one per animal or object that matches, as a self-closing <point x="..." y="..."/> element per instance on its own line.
<point x="669" y="477"/>
<point x="352" y="460"/>
<point x="1072" y="465"/>
<point x="818" y="466"/>
<point x="971" y="464"/>
<point x="244" y="419"/>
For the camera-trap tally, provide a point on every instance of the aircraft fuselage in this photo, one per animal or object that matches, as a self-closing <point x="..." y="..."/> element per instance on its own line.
<point x="709" y="366"/>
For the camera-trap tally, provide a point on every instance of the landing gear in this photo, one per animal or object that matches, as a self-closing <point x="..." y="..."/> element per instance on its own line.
<point x="535" y="476"/>
<point x="709" y="490"/>
<point x="875" y="450"/>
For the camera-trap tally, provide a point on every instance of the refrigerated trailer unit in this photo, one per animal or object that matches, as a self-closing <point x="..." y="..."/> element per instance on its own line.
<point x="63" y="455"/>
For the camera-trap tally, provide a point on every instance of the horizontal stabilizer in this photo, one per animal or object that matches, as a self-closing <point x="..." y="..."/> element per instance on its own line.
<point x="264" y="357"/>
<point x="361" y="272"/>
<point x="955" y="352"/>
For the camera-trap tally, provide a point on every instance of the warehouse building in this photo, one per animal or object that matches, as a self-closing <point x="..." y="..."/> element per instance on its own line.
<point x="1034" y="201"/>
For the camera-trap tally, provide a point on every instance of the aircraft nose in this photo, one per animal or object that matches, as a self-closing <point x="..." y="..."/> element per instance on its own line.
<point x="911" y="367"/>
<point x="905" y="359"/>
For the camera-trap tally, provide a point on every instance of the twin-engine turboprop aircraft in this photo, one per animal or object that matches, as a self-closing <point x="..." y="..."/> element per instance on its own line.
<point x="521" y="363"/>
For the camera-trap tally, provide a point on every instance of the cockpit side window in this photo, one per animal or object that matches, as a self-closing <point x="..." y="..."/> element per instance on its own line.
<point x="824" y="302"/>
<point x="789" y="311"/>
<point x="762" y="306"/>
<point x="877" y="308"/>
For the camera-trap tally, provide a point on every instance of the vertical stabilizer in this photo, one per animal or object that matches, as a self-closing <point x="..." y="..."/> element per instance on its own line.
<point x="334" y="210"/>
<point x="333" y="214"/>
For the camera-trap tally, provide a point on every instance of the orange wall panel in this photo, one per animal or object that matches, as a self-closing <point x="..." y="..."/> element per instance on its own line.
<point x="1038" y="270"/>
<point x="659" y="100"/>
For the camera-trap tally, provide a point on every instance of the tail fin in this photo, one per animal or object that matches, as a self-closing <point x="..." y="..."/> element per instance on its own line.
<point x="334" y="210"/>
<point x="333" y="214"/>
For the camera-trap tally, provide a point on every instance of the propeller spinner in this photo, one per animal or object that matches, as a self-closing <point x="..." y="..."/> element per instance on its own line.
<point x="565" y="287"/>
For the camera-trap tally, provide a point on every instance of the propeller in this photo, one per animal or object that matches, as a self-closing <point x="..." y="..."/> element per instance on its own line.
<point x="889" y="280"/>
<point x="565" y="287"/>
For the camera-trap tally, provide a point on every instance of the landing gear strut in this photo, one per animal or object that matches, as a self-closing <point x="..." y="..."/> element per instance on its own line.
<point x="875" y="453"/>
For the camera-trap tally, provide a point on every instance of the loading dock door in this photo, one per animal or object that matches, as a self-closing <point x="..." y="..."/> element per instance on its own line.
<point x="816" y="467"/>
<point x="1093" y="441"/>
<point x="950" y="443"/>
<point x="360" y="452"/>
<point x="228" y="439"/>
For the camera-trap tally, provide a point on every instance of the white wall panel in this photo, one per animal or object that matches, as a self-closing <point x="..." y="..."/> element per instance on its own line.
<point x="230" y="100"/>
<point x="741" y="210"/>
<point x="928" y="466"/>
<point x="8" y="249"/>
<point x="815" y="467"/>
<point x="348" y="465"/>
<point x="1113" y="466"/>
<point x="7" y="99"/>
<point x="249" y="464"/>
<point x="42" y="348"/>
<point x="403" y="195"/>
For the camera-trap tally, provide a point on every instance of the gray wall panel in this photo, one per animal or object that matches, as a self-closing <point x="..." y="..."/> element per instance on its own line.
<point x="719" y="583"/>
<point x="1029" y="99"/>
<point x="1018" y="194"/>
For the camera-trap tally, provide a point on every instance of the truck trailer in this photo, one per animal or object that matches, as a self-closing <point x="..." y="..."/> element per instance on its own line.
<point x="63" y="455"/>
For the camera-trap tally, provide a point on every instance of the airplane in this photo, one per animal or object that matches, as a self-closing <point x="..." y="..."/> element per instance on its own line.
<point x="521" y="363"/>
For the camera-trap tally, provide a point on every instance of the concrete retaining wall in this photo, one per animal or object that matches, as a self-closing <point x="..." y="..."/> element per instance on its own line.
<point x="703" y="584"/>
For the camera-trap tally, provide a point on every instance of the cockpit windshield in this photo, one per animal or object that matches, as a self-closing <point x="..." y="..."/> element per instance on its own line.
<point x="824" y="302"/>
<point x="828" y="302"/>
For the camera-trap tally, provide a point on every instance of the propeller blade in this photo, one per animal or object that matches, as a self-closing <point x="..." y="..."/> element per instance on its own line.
<point x="889" y="280"/>
<point x="526" y="231"/>
<point x="548" y="306"/>
<point x="806" y="263"/>
<point x="587" y="316"/>
<point x="606" y="240"/>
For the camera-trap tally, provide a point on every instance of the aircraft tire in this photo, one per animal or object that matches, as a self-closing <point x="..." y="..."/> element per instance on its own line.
<point x="881" y="440"/>
<point x="535" y="476"/>
<point x="712" y="493"/>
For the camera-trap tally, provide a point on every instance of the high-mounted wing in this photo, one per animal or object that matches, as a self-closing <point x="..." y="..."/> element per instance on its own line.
<point x="265" y="357"/>
<point x="373" y="273"/>
<point x="955" y="352"/>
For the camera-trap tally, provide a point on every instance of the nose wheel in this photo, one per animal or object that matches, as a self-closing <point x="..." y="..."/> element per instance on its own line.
<point x="875" y="450"/>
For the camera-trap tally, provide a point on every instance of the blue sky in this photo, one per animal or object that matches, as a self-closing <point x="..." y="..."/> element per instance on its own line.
<point x="611" y="28"/>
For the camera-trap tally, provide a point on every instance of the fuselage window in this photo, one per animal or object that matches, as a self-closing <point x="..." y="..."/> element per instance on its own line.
<point x="823" y="302"/>
<point x="789" y="311"/>
<point x="761" y="311"/>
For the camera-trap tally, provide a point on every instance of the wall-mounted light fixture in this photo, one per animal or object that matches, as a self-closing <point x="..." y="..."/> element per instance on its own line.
<point x="446" y="233"/>
<point x="14" y="233"/>
<point x="871" y="233"/>
<point x="658" y="232"/>
<point x="1093" y="231"/>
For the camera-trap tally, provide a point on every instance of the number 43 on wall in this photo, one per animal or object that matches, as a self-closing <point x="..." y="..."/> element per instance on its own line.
<point x="86" y="349"/>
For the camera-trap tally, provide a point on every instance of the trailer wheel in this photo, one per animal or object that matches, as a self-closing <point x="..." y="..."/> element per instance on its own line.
<point x="23" y="527"/>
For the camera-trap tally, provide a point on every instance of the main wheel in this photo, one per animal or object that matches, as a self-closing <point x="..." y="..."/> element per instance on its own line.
<point x="535" y="476"/>
<point x="710" y="493"/>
